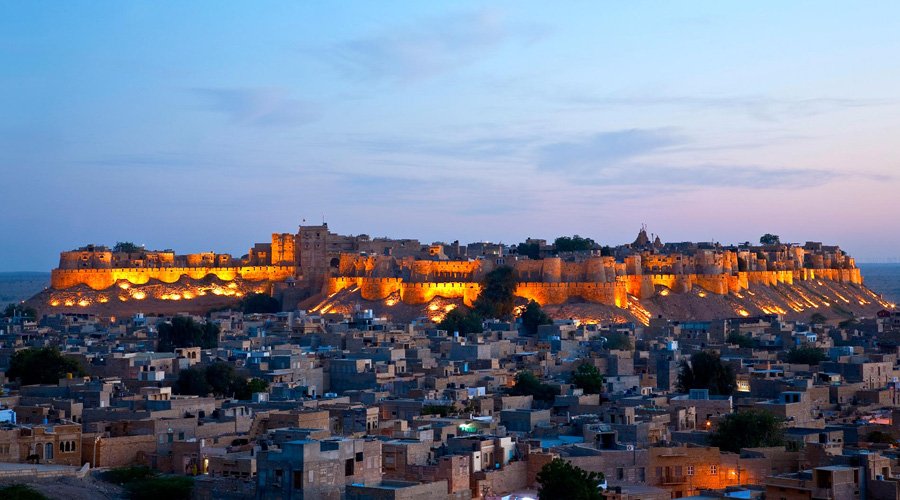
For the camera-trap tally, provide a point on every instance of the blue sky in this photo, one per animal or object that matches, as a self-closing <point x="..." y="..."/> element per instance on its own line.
<point x="209" y="125"/>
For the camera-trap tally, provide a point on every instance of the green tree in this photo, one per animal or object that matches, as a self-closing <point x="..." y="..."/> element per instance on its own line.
<point x="42" y="366"/>
<point x="19" y="310"/>
<point x="806" y="356"/>
<point x="260" y="303"/>
<point x="748" y="429"/>
<point x="618" y="342"/>
<point x="462" y="320"/>
<point x="218" y="379"/>
<point x="560" y="479"/>
<point x="880" y="437"/>
<point x="533" y="317"/>
<point x="588" y="378"/>
<point x="143" y="483"/>
<point x="573" y="244"/>
<point x="817" y="318"/>
<point x="527" y="384"/>
<point x="185" y="332"/>
<point x="740" y="340"/>
<point x="257" y="385"/>
<point x="439" y="410"/>
<point x="497" y="299"/>
<point x="192" y="381"/>
<point x="530" y="250"/>
<point x="706" y="371"/>
<point x="770" y="239"/>
<point x="21" y="492"/>
<point x="126" y="247"/>
<point x="221" y="378"/>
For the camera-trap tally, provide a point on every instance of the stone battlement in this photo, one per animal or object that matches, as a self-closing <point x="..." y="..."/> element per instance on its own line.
<point x="101" y="279"/>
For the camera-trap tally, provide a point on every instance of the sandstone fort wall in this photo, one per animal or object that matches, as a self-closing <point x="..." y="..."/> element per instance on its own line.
<point x="101" y="279"/>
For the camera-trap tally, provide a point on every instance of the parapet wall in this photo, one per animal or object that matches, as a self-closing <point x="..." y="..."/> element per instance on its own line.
<point x="409" y="293"/>
<point x="101" y="279"/>
<point x="609" y="293"/>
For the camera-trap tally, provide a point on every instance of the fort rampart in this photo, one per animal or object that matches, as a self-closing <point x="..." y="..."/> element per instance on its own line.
<point x="101" y="279"/>
<point x="615" y="293"/>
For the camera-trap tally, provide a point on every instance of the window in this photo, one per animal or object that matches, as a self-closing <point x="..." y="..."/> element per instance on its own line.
<point x="690" y="470"/>
<point x="714" y="470"/>
<point x="348" y="467"/>
<point x="359" y="457"/>
<point x="620" y="473"/>
<point x="298" y="479"/>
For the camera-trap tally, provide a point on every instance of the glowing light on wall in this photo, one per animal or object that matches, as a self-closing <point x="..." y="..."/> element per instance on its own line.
<point x="83" y="303"/>
<point x="139" y="295"/>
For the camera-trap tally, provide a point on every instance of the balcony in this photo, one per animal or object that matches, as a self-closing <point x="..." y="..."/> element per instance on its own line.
<point x="669" y="479"/>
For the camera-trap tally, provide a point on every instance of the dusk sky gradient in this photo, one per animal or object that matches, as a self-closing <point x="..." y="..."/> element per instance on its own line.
<point x="205" y="126"/>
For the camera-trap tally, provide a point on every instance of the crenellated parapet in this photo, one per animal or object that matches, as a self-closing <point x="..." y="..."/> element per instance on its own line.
<point x="101" y="279"/>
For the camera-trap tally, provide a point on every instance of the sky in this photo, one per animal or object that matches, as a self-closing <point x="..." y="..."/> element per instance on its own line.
<point x="203" y="126"/>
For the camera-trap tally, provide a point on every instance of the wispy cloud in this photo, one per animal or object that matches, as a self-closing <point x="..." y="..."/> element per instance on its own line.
<point x="259" y="106"/>
<point x="738" y="176"/>
<point x="763" y="108"/>
<point x="635" y="158"/>
<point x="428" y="48"/>
<point x="605" y="149"/>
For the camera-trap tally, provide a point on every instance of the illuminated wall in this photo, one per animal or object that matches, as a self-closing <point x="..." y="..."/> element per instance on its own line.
<point x="101" y="279"/>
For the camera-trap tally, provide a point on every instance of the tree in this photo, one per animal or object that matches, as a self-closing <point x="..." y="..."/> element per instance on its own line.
<point x="740" y="340"/>
<point x="880" y="437"/>
<point x="462" y="320"/>
<point x="126" y="247"/>
<point x="748" y="429"/>
<point x="185" y="332"/>
<point x="706" y="371"/>
<point x="817" y="318"/>
<point x="770" y="239"/>
<point x="559" y="479"/>
<point x="530" y="250"/>
<point x="806" y="356"/>
<point x="573" y="244"/>
<point x="619" y="342"/>
<point x="221" y="378"/>
<point x="144" y="483"/>
<point x="19" y="310"/>
<point x="260" y="303"/>
<point x="244" y="389"/>
<point x="21" y="492"/>
<point x="439" y="410"/>
<point x="497" y="299"/>
<point x="529" y="385"/>
<point x="218" y="379"/>
<point x="192" y="381"/>
<point x="588" y="378"/>
<point x="42" y="366"/>
<point x="533" y="317"/>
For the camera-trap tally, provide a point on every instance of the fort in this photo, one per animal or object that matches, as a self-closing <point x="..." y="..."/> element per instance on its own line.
<point x="314" y="262"/>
